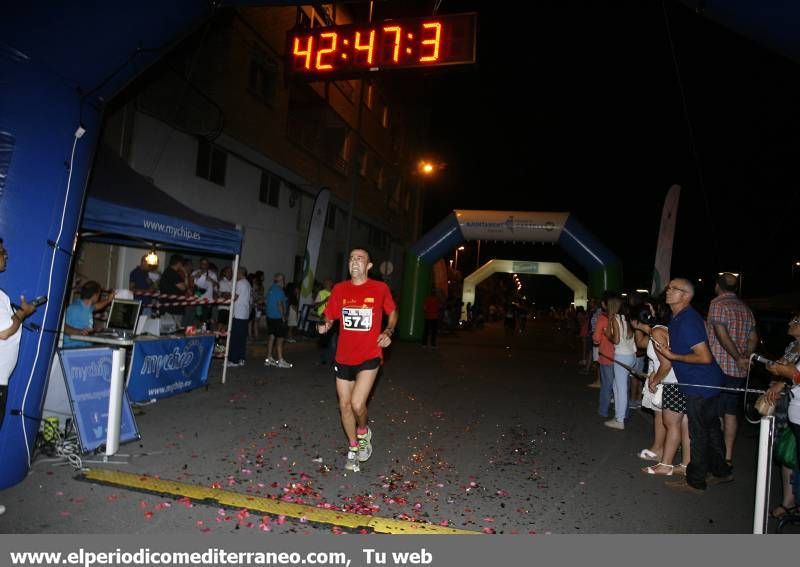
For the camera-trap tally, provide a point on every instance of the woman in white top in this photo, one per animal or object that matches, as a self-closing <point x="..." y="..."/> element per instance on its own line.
<point x="671" y="427"/>
<point x="785" y="368"/>
<point x="620" y="333"/>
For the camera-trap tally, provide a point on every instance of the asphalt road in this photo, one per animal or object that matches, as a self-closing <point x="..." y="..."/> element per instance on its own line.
<point x="484" y="433"/>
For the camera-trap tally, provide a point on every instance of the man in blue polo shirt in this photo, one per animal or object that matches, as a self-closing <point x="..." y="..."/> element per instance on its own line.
<point x="79" y="319"/>
<point x="694" y="364"/>
<point x="276" y="321"/>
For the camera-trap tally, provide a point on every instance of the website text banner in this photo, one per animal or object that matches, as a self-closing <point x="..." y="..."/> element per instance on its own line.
<point x="366" y="551"/>
<point x="87" y="375"/>
<point x="164" y="367"/>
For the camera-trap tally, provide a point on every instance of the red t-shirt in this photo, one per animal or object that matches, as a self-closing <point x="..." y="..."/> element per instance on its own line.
<point x="359" y="309"/>
<point x="431" y="307"/>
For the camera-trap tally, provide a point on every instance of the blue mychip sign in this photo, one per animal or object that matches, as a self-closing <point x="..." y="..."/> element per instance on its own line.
<point x="87" y="373"/>
<point x="163" y="367"/>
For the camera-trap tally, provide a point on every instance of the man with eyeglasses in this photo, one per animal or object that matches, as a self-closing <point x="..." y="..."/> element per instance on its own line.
<point x="695" y="366"/>
<point x="733" y="337"/>
<point x="10" y="323"/>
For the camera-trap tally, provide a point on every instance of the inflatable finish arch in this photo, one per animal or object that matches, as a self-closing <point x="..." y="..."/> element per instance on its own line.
<point x="579" y="289"/>
<point x="60" y="64"/>
<point x="603" y="267"/>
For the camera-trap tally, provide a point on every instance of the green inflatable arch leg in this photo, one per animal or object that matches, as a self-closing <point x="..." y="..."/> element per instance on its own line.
<point x="416" y="285"/>
<point x="607" y="279"/>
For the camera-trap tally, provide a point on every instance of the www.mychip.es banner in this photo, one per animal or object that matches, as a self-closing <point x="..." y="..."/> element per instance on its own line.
<point x="164" y="367"/>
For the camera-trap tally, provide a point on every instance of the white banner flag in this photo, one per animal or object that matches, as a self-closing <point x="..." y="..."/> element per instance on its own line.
<point x="315" y="230"/>
<point x="665" y="236"/>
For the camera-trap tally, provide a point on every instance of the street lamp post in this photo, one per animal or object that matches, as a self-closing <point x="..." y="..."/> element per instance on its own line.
<point x="455" y="263"/>
<point x="425" y="169"/>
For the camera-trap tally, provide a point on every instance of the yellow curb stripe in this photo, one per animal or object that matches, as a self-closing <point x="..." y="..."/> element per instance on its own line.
<point x="230" y="499"/>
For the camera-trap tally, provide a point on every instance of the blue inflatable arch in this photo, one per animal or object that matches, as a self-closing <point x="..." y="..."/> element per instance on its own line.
<point x="603" y="267"/>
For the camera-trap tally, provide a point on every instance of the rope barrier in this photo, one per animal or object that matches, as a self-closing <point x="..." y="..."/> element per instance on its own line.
<point x="642" y="376"/>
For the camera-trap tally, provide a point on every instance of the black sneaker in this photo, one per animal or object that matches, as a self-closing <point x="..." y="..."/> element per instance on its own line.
<point x="712" y="480"/>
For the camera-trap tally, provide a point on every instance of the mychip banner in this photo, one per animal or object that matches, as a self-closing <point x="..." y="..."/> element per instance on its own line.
<point x="164" y="367"/>
<point x="87" y="374"/>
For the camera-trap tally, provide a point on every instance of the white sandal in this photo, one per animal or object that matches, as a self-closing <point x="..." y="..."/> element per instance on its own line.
<point x="648" y="455"/>
<point x="652" y="470"/>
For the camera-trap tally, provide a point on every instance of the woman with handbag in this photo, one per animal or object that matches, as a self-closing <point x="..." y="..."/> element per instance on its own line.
<point x="660" y="393"/>
<point x="785" y="368"/>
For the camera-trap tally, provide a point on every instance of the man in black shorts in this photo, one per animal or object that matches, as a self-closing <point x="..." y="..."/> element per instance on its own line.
<point x="358" y="304"/>
<point x="276" y="321"/>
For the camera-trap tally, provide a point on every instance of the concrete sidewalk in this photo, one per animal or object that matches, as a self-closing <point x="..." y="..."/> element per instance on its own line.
<point x="485" y="433"/>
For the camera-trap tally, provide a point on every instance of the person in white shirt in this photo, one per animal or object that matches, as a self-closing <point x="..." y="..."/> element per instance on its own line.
<point x="205" y="279"/>
<point x="10" y="335"/>
<point x="225" y="291"/>
<point x="241" y="313"/>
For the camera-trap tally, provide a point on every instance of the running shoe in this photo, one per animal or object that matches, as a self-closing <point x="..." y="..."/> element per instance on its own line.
<point x="269" y="361"/>
<point x="352" y="460"/>
<point x="365" y="445"/>
<point x="283" y="364"/>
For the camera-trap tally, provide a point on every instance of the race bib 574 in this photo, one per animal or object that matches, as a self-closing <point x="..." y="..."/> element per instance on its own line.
<point x="357" y="319"/>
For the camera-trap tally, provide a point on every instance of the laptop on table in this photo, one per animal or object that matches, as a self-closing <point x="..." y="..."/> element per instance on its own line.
<point x="122" y="318"/>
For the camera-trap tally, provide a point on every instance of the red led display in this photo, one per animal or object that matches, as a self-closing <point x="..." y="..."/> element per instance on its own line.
<point x="337" y="51"/>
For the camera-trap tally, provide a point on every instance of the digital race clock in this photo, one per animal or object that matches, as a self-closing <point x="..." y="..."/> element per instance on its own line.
<point x="336" y="51"/>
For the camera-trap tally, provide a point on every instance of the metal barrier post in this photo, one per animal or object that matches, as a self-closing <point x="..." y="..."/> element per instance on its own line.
<point x="760" y="513"/>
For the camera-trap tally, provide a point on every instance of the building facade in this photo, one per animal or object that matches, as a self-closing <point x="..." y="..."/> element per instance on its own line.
<point x="219" y="126"/>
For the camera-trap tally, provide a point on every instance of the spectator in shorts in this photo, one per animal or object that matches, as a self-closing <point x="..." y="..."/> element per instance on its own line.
<point x="732" y="337"/>
<point x="277" y="313"/>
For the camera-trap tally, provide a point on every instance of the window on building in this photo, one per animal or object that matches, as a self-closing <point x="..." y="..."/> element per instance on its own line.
<point x="396" y="188"/>
<point x="269" y="191"/>
<point x="385" y="116"/>
<point x="369" y="96"/>
<point x="380" y="176"/>
<point x="330" y="219"/>
<point x="334" y="141"/>
<point x="211" y="162"/>
<point x="303" y="19"/>
<point x="377" y="237"/>
<point x="264" y="75"/>
<point x="305" y="118"/>
<point x="363" y="160"/>
<point x="347" y="89"/>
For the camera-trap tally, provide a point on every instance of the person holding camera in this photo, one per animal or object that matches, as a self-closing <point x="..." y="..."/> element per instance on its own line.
<point x="783" y="368"/>
<point x="10" y="322"/>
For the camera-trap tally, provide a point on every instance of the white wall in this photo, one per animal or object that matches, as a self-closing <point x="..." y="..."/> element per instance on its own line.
<point x="170" y="157"/>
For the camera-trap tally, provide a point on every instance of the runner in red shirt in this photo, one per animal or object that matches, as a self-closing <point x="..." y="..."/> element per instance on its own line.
<point x="359" y="305"/>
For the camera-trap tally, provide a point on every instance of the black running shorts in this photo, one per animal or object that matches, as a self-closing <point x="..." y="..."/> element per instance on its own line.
<point x="349" y="372"/>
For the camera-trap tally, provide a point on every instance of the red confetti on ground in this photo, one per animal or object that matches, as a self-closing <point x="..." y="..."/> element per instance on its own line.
<point x="488" y="530"/>
<point x="148" y="515"/>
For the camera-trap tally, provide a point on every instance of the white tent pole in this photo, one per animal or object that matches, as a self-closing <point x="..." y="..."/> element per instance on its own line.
<point x="230" y="317"/>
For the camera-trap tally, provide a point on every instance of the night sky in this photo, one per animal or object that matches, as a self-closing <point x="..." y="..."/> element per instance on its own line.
<point x="577" y="106"/>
